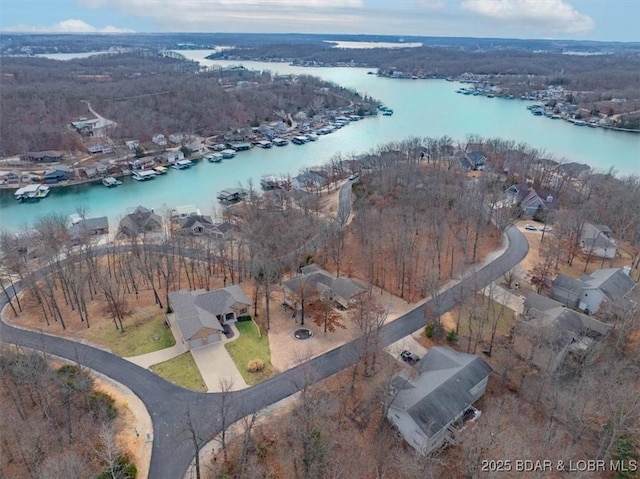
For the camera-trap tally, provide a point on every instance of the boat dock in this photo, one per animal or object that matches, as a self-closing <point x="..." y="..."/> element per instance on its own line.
<point x="144" y="175"/>
<point x="111" y="182"/>
<point x="32" y="193"/>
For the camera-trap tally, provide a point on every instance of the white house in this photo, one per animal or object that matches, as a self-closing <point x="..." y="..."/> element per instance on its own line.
<point x="173" y="156"/>
<point x="597" y="240"/>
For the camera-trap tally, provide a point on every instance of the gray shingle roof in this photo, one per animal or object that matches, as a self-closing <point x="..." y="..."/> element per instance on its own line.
<point x="611" y="281"/>
<point x="568" y="283"/>
<point x="442" y="391"/>
<point x="314" y="278"/>
<point x="195" y="310"/>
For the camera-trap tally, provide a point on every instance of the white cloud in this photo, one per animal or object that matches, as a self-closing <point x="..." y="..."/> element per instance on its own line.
<point x="71" y="25"/>
<point x="550" y="16"/>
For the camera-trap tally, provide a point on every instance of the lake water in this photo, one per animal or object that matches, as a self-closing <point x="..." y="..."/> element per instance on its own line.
<point x="421" y="108"/>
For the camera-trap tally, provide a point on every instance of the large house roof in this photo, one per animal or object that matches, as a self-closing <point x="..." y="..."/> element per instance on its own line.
<point x="139" y="220"/>
<point x="568" y="283"/>
<point x="442" y="391"/>
<point x="195" y="310"/>
<point x="314" y="278"/>
<point x="611" y="281"/>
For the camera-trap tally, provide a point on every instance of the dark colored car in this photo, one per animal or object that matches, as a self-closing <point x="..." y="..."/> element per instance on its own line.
<point x="409" y="357"/>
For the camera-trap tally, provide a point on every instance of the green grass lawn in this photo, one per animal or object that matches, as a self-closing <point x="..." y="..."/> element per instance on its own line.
<point x="141" y="335"/>
<point x="181" y="371"/>
<point x="247" y="347"/>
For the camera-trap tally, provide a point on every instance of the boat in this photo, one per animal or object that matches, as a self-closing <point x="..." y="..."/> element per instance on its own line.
<point x="228" y="153"/>
<point x="387" y="112"/>
<point x="144" y="175"/>
<point x="580" y="123"/>
<point x="161" y="170"/>
<point x="111" y="182"/>
<point x="264" y="144"/>
<point x="31" y="193"/>
<point x="312" y="137"/>
<point x="299" y="140"/>
<point x="218" y="147"/>
<point x="280" y="141"/>
<point x="214" y="158"/>
<point x="232" y="195"/>
<point x="182" y="165"/>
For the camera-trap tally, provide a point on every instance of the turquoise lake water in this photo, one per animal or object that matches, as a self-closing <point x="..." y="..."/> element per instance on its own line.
<point x="421" y="108"/>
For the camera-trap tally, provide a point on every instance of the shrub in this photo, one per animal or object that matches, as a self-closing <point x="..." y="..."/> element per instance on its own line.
<point x="429" y="330"/>
<point x="123" y="468"/>
<point x="255" y="365"/>
<point x="102" y="405"/>
<point x="452" y="336"/>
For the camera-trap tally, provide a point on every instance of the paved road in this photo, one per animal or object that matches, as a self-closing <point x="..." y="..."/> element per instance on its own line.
<point x="168" y="404"/>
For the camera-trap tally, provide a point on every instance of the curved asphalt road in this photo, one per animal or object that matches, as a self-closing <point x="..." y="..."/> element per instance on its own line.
<point x="168" y="404"/>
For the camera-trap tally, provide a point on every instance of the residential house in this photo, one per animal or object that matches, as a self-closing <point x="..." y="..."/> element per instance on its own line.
<point x="196" y="148"/>
<point x="94" y="170"/>
<point x="223" y="230"/>
<point x="139" y="221"/>
<point x="85" y="127"/>
<point x="173" y="156"/>
<point x="316" y="281"/>
<point x="589" y="292"/>
<point x="132" y="144"/>
<point x="144" y="163"/>
<point x="473" y="161"/>
<point x="98" y="149"/>
<point x="176" y="138"/>
<point x="550" y="333"/>
<point x="201" y="316"/>
<point x="12" y="177"/>
<point x="427" y="409"/>
<point x="180" y="213"/>
<point x="197" y="225"/>
<point x="596" y="240"/>
<point x="159" y="140"/>
<point x="57" y="174"/>
<point x="48" y="156"/>
<point x="87" y="227"/>
<point x="309" y="180"/>
<point x="529" y="200"/>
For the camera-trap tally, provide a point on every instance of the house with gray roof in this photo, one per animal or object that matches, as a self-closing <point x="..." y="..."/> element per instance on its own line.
<point x="550" y="334"/>
<point x="597" y="240"/>
<point x="427" y="409"/>
<point x="88" y="227"/>
<point x="316" y="281"/>
<point x="529" y="199"/>
<point x="589" y="292"/>
<point x="138" y="222"/>
<point x="200" y="316"/>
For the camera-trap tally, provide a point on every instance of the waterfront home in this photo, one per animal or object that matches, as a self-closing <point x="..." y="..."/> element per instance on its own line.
<point x="550" y="334"/>
<point x="132" y="144"/>
<point x="99" y="148"/>
<point x="173" y="156"/>
<point x="88" y="227"/>
<point x="196" y="148"/>
<point x="232" y="195"/>
<point x="588" y="293"/>
<point x="179" y="213"/>
<point x="159" y="140"/>
<point x="473" y="161"/>
<point x="223" y="230"/>
<point x="57" y="174"/>
<point x="314" y="280"/>
<point x="196" y="225"/>
<point x="200" y="316"/>
<point x="139" y="221"/>
<point x="143" y="163"/>
<point x="94" y="170"/>
<point x="48" y="156"/>
<point x="309" y="180"/>
<point x="597" y="240"/>
<point x="12" y="176"/>
<point x="31" y="193"/>
<point x="430" y="409"/>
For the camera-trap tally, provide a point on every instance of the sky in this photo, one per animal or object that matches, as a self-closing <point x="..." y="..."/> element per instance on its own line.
<point x="602" y="20"/>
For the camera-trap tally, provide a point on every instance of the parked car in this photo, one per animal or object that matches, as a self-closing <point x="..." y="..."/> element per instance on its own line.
<point x="545" y="228"/>
<point x="409" y="357"/>
<point x="530" y="227"/>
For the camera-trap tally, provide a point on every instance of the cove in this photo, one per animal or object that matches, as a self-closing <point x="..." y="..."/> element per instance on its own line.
<point x="421" y="108"/>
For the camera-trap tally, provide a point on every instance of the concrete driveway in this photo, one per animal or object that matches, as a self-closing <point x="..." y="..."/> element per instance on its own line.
<point x="216" y="365"/>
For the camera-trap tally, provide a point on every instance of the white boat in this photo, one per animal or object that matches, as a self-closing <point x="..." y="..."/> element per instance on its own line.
<point x="280" y="142"/>
<point x="299" y="140"/>
<point x="228" y="153"/>
<point x="144" y="175"/>
<point x="31" y="193"/>
<point x="214" y="158"/>
<point x="312" y="137"/>
<point x="111" y="182"/>
<point x="182" y="165"/>
<point x="264" y="144"/>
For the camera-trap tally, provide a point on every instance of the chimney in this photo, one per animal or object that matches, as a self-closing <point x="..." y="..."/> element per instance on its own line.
<point x="549" y="199"/>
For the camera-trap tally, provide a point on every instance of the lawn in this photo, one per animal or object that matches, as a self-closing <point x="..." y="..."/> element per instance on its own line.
<point x="248" y="346"/>
<point x="181" y="371"/>
<point x="142" y="334"/>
